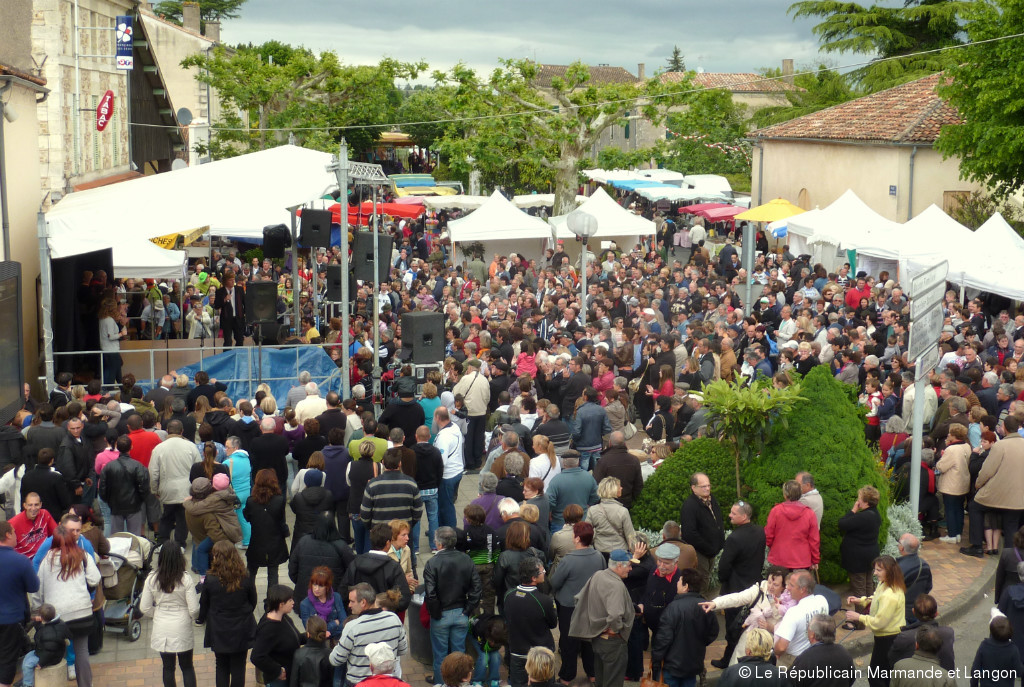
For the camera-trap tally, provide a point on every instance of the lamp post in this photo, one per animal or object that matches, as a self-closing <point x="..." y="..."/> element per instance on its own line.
<point x="584" y="225"/>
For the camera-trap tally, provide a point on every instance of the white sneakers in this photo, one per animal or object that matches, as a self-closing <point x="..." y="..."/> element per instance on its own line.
<point x="950" y="540"/>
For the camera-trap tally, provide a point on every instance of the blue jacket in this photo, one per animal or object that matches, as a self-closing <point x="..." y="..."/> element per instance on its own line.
<point x="334" y="619"/>
<point x="17" y="581"/>
<point x="44" y="549"/>
<point x="571" y="485"/>
<point x="589" y="426"/>
<point x="336" y="460"/>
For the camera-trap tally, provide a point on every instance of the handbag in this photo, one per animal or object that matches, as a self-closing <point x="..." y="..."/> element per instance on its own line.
<point x="737" y="623"/>
<point x="629" y="430"/>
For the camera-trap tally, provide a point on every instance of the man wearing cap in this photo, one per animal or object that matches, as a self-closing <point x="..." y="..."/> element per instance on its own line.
<point x="383" y="664"/>
<point x="476" y="392"/>
<point x="604" y="616"/>
<point x="660" y="588"/>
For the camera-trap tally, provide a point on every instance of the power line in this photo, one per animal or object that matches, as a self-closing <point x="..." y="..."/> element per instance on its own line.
<point x="544" y="111"/>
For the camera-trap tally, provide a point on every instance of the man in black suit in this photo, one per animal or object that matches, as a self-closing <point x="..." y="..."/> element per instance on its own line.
<point x="229" y="303"/>
<point x="333" y="416"/>
<point x="268" y="450"/>
<point x="739" y="567"/>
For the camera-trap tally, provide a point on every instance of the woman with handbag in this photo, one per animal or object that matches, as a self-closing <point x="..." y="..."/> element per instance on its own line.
<point x="761" y="608"/>
<point x="67" y="576"/>
<point x="885" y="617"/>
<point x="264" y="509"/>
<point x="169" y="597"/>
<point x="226" y="605"/>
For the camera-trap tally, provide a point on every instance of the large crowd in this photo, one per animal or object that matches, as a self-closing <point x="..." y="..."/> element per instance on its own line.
<point x="539" y="395"/>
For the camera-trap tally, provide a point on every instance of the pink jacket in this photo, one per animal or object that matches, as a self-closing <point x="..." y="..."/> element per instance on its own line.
<point x="792" y="536"/>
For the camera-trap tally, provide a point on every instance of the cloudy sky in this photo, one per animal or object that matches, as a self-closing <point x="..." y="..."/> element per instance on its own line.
<point x="718" y="35"/>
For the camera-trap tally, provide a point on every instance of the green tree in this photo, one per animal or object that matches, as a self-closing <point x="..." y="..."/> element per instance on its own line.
<point x="707" y="136"/>
<point x="975" y="208"/>
<point x="676" y="63"/>
<point x="664" y="492"/>
<point x="889" y="30"/>
<point x="209" y="10"/>
<point x="554" y="130"/>
<point x="824" y="88"/>
<point x="745" y="416"/>
<point x="986" y="87"/>
<point x="314" y="94"/>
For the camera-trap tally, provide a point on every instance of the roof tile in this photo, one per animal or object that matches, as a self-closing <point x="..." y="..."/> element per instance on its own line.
<point x="736" y="82"/>
<point x="598" y="75"/>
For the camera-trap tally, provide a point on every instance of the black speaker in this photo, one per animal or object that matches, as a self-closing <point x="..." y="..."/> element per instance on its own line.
<point x="277" y="239"/>
<point x="316" y="228"/>
<point x="334" y="284"/>
<point x="423" y="337"/>
<point x="261" y="302"/>
<point x="362" y="256"/>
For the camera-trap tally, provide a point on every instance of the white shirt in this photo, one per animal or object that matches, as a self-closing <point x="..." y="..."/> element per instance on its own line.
<point x="449" y="442"/>
<point x="793" y="626"/>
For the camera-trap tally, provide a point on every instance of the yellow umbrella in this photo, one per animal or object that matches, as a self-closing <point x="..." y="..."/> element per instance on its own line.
<point x="773" y="210"/>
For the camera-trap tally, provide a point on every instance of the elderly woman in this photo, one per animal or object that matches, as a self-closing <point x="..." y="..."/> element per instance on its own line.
<point x="766" y="609"/>
<point x="488" y="500"/>
<point x="561" y="541"/>
<point x="613" y="528"/>
<point x="511" y="485"/>
<point x="533" y="492"/>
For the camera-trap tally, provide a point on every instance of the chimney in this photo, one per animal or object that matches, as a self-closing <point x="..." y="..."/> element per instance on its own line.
<point x="640" y="72"/>
<point x="213" y="30"/>
<point x="190" y="16"/>
<point x="787" y="71"/>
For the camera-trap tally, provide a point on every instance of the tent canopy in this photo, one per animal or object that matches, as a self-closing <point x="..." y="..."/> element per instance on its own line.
<point x="930" y="238"/>
<point x="993" y="259"/>
<point x="538" y="200"/>
<point x="271" y="181"/>
<point x="675" y="194"/>
<point x="498" y="219"/>
<point x="850" y="224"/>
<point x="612" y="219"/>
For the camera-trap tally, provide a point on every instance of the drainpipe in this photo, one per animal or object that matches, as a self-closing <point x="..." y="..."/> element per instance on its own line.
<point x="910" y="192"/>
<point x="760" y="171"/>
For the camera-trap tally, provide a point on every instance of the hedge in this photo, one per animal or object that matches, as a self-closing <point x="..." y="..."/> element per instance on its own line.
<point x="664" y="491"/>
<point x="825" y="437"/>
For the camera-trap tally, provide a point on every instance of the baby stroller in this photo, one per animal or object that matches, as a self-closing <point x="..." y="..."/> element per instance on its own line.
<point x="124" y="573"/>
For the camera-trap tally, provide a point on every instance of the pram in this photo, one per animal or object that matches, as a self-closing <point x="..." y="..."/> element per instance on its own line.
<point x="124" y="573"/>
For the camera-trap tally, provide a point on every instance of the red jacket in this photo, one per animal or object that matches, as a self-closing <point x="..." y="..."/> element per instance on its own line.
<point x="384" y="680"/>
<point x="792" y="535"/>
<point x="31" y="534"/>
<point x="853" y="296"/>
<point x="143" y="443"/>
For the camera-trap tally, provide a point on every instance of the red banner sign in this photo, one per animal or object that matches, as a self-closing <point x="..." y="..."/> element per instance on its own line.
<point x="104" y="111"/>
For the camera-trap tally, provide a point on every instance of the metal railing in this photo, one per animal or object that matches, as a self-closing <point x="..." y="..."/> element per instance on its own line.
<point x="253" y="364"/>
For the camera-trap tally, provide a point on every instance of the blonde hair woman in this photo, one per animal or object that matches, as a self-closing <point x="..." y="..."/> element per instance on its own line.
<point x="613" y="528"/>
<point x="540" y="666"/>
<point x="545" y="464"/>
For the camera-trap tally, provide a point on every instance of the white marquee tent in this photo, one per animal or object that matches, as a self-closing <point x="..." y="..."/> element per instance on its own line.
<point x="847" y="224"/>
<point x="994" y="259"/>
<point x="928" y="239"/>
<point x="502" y="228"/>
<point x="613" y="220"/>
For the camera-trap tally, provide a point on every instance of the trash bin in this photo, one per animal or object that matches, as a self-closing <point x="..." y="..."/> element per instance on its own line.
<point x="419" y="636"/>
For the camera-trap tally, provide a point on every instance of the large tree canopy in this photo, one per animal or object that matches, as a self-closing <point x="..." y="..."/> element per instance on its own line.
<point x="552" y="130"/>
<point x="889" y="30"/>
<point x="311" y="94"/>
<point x="824" y="88"/>
<point x="987" y="88"/>
<point x="209" y="10"/>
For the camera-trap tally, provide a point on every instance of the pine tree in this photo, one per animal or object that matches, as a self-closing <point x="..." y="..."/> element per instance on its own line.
<point x="676" y="63"/>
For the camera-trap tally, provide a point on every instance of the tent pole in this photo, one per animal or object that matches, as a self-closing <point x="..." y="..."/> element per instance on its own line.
<point x="340" y="169"/>
<point x="376" y="309"/>
<point x="46" y="295"/>
<point x="296" y="322"/>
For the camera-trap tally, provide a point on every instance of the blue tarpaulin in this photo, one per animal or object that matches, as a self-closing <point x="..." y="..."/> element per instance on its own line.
<point x="633" y="184"/>
<point x="277" y="363"/>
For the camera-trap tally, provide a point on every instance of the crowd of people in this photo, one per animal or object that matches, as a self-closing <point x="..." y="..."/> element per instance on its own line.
<point x="538" y="394"/>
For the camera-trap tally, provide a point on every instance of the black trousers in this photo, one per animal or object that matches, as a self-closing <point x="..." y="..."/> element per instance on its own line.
<point x="173" y="518"/>
<point x="732" y="636"/>
<point x="571" y="648"/>
<point x="233" y="327"/>
<point x="475" y="441"/>
<point x="976" y="511"/>
<point x="880" y="660"/>
<point x="231" y="669"/>
<point x="183" y="659"/>
<point x="344" y="522"/>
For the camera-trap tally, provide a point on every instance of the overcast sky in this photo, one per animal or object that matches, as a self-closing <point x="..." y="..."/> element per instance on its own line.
<point x="718" y="35"/>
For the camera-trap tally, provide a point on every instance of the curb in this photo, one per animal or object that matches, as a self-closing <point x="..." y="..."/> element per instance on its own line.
<point x="968" y="599"/>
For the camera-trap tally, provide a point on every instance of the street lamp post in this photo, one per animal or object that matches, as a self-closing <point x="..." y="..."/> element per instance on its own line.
<point x="584" y="225"/>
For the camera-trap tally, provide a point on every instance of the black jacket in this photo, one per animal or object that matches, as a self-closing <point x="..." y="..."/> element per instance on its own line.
<point x="308" y="553"/>
<point x="755" y="671"/>
<point x="429" y="466"/>
<point x="222" y="424"/>
<point x="330" y="419"/>
<point x="702" y="527"/>
<point x="684" y="633"/>
<point x="531" y="617"/>
<point x="305" y="447"/>
<point x="510" y="486"/>
<point x="1006" y="573"/>
<point x="124" y="485"/>
<point x="268" y="451"/>
<point x="74" y="461"/>
<point x="310" y="666"/>
<point x="188" y="425"/>
<point x="274" y="646"/>
<point x="742" y="558"/>
<point x="382" y="572"/>
<point x="230" y="626"/>
<point x="246" y="432"/>
<point x="451" y="582"/>
<point x="267" y="545"/>
<point x="906" y="643"/>
<point x="657" y="594"/>
<point x="621" y="464"/>
<point x="309" y="505"/>
<point x="52" y="489"/>
<point x="918" y="576"/>
<point x="860" y="539"/>
<point x="407" y="415"/>
<point x="208" y="390"/>
<point x="50" y="642"/>
<point x="995" y="656"/>
<point x="574" y="388"/>
<point x="835" y="666"/>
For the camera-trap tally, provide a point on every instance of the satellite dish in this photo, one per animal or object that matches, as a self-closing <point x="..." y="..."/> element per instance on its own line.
<point x="178" y="164"/>
<point x="184" y="116"/>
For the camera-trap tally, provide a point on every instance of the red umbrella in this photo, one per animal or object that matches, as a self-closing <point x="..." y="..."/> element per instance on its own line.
<point x="361" y="215"/>
<point x="699" y="208"/>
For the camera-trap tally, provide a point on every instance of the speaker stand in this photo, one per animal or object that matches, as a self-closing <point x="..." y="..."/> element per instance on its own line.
<point x="259" y="349"/>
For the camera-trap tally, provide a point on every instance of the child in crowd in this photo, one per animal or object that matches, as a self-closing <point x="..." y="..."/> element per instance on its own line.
<point x="997" y="656"/>
<point x="52" y="639"/>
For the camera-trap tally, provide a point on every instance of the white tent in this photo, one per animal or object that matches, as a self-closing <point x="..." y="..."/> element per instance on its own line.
<point x="234" y="197"/>
<point x="847" y="224"/>
<point x="930" y="238"/>
<point x="613" y="220"/>
<point x="993" y="259"/>
<point x="537" y="200"/>
<point x="460" y="202"/>
<point x="502" y="227"/>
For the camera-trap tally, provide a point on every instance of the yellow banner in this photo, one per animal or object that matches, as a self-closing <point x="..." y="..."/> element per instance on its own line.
<point x="170" y="241"/>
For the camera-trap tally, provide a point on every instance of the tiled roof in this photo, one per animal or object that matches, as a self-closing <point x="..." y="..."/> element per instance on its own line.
<point x="910" y="113"/>
<point x="7" y="70"/>
<point x="598" y="75"/>
<point x="735" y="82"/>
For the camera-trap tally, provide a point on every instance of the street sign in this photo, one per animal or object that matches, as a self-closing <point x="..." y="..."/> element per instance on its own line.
<point x="124" y="36"/>
<point x="920" y="304"/>
<point x="929" y="278"/>
<point x="928" y="361"/>
<point x="104" y="110"/>
<point x="924" y="332"/>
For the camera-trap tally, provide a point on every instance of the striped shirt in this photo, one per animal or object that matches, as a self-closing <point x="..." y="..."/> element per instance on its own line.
<point x="374" y="625"/>
<point x="391" y="496"/>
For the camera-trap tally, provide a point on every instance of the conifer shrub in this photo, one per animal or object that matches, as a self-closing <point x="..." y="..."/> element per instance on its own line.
<point x="664" y="491"/>
<point x="825" y="437"/>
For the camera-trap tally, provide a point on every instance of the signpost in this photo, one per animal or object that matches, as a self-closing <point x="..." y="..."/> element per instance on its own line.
<point x="926" y="320"/>
<point x="104" y="110"/>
